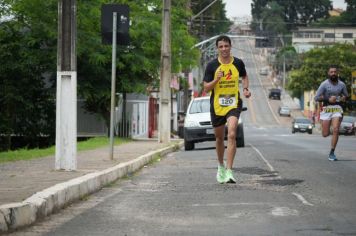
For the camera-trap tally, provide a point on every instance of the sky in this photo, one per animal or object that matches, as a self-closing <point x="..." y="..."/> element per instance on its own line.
<point x="242" y="8"/>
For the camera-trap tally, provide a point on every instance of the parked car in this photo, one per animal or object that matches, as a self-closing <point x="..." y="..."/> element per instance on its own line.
<point x="275" y="93"/>
<point x="284" y="111"/>
<point x="264" y="71"/>
<point x="302" y="124"/>
<point x="347" y="125"/>
<point x="198" y="127"/>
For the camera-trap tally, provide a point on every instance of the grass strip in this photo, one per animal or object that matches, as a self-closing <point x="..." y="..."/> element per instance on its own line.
<point x="28" y="154"/>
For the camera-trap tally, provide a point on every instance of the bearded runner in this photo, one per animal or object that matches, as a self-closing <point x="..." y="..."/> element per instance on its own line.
<point x="331" y="95"/>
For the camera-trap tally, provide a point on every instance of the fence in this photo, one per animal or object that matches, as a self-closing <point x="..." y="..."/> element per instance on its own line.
<point x="123" y="127"/>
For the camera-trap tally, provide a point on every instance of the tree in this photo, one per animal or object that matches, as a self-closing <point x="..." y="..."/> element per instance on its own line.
<point x="346" y="19"/>
<point x="271" y="21"/>
<point x="211" y="22"/>
<point x="295" y="13"/>
<point x="27" y="105"/>
<point x="315" y="64"/>
<point x="35" y="34"/>
<point x="349" y="16"/>
<point x="138" y="65"/>
<point x="288" y="55"/>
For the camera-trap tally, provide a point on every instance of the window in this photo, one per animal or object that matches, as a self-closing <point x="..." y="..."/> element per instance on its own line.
<point x="347" y="35"/>
<point x="200" y="106"/>
<point x="298" y="35"/>
<point x="329" y="35"/>
<point x="307" y="34"/>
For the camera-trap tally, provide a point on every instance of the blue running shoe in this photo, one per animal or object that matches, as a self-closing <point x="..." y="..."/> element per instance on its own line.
<point x="332" y="157"/>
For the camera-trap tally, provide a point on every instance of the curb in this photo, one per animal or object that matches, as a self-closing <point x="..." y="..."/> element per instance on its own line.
<point x="17" y="215"/>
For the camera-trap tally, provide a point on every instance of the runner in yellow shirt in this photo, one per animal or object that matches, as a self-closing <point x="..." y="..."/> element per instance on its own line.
<point x="222" y="79"/>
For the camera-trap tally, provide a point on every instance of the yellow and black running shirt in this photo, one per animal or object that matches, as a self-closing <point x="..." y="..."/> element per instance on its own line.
<point x="224" y="96"/>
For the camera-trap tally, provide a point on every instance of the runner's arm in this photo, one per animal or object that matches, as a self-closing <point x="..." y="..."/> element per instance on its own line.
<point x="208" y="86"/>
<point x="345" y="94"/>
<point x="245" y="85"/>
<point x="209" y="77"/>
<point x="319" y="96"/>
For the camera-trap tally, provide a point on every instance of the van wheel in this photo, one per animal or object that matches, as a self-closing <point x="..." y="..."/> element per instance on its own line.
<point x="240" y="140"/>
<point x="188" y="145"/>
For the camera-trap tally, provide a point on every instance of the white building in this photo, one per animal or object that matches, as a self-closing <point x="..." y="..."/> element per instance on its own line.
<point x="306" y="38"/>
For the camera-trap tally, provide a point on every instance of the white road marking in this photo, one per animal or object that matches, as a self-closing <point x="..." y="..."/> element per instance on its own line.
<point x="302" y="199"/>
<point x="283" y="135"/>
<point x="284" y="211"/>
<point x="230" y="204"/>
<point x="264" y="159"/>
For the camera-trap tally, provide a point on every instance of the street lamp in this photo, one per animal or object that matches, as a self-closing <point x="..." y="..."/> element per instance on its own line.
<point x="205" y="8"/>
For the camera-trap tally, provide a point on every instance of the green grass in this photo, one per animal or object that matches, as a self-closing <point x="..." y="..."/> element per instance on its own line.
<point x="27" y="154"/>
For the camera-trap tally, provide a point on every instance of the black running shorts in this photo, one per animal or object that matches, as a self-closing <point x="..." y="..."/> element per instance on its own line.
<point x="221" y="120"/>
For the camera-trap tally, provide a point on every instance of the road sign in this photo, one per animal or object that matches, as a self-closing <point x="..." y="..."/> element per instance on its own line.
<point x="123" y="23"/>
<point x="265" y="39"/>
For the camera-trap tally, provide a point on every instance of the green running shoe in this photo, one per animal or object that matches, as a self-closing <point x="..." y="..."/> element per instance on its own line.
<point x="220" y="176"/>
<point x="229" y="177"/>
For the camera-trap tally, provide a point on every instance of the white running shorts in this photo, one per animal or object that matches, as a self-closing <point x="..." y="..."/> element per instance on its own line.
<point x="330" y="112"/>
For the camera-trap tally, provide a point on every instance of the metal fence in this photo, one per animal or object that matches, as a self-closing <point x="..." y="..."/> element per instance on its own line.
<point x="123" y="128"/>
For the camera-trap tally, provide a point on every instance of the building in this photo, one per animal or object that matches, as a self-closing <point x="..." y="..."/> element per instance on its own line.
<point x="135" y="117"/>
<point x="336" y="12"/>
<point x="241" y="29"/>
<point x="306" y="38"/>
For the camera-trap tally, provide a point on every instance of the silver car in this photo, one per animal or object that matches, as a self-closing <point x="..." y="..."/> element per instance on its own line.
<point x="284" y="111"/>
<point x="347" y="125"/>
<point x="264" y="71"/>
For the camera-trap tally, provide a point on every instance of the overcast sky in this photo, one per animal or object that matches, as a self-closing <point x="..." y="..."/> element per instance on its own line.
<point x="240" y="8"/>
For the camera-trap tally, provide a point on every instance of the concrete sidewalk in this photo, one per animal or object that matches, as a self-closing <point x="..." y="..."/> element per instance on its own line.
<point x="32" y="189"/>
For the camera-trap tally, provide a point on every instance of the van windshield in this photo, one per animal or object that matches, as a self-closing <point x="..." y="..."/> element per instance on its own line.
<point x="200" y="106"/>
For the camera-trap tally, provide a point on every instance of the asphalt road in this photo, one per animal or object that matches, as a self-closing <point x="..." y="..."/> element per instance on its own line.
<point x="285" y="186"/>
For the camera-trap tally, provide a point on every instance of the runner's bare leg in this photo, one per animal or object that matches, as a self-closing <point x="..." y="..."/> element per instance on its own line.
<point x="335" y="122"/>
<point x="220" y="146"/>
<point x="325" y="125"/>
<point x="232" y="123"/>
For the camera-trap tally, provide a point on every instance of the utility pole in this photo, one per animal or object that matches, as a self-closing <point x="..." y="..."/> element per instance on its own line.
<point x="165" y="91"/>
<point x="66" y="100"/>
<point x="284" y="65"/>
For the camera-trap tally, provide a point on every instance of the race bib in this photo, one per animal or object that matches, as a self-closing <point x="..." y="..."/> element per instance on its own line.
<point x="332" y="109"/>
<point x="227" y="100"/>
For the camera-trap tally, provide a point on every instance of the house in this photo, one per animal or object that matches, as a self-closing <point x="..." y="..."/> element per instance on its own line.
<point x="306" y="38"/>
<point x="241" y="29"/>
<point x="136" y="118"/>
<point x="336" y="12"/>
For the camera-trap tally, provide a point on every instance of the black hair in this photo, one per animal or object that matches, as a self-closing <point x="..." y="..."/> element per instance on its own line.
<point x="334" y="66"/>
<point x="223" y="38"/>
